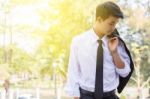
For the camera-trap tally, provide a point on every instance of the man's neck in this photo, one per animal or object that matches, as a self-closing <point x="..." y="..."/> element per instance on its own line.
<point x="99" y="34"/>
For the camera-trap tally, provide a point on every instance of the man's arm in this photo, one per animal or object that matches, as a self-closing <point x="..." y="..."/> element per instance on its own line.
<point x="120" y="57"/>
<point x="117" y="60"/>
<point x="72" y="86"/>
<point x="113" y="44"/>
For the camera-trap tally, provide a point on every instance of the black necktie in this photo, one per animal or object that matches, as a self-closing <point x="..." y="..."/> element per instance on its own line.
<point x="99" y="72"/>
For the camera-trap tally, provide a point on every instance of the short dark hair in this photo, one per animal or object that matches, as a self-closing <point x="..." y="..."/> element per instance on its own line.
<point x="107" y="9"/>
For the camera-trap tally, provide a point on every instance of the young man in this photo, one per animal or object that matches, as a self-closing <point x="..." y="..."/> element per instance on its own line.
<point x="99" y="62"/>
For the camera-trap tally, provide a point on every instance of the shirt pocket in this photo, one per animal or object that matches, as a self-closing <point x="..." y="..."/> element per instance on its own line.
<point x="85" y="52"/>
<point x="86" y="61"/>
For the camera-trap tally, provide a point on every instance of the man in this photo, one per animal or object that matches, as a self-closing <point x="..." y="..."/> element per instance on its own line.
<point x="99" y="61"/>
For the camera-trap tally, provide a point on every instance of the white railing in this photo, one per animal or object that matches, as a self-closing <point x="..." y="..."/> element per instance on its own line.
<point x="16" y="93"/>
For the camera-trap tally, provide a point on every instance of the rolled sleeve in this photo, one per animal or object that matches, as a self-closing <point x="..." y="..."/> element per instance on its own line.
<point x="125" y="58"/>
<point x="72" y="91"/>
<point x="72" y="85"/>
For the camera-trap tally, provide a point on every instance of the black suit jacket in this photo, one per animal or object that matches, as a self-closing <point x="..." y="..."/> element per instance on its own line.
<point x="124" y="81"/>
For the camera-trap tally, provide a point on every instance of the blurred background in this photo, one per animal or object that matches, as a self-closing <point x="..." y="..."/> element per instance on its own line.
<point x="35" y="37"/>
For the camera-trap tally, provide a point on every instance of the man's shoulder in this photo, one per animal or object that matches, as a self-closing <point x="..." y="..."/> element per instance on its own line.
<point x="82" y="36"/>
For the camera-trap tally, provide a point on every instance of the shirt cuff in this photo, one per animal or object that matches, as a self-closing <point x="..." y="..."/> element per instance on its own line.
<point x="72" y="92"/>
<point x="125" y="71"/>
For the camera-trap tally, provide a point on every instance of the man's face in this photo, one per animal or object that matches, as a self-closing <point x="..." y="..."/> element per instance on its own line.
<point x="108" y="25"/>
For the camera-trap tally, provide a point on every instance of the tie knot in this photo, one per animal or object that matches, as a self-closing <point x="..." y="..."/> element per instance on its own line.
<point x="100" y="42"/>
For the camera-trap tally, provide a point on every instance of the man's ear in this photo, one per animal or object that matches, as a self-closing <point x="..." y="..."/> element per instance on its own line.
<point x="99" y="19"/>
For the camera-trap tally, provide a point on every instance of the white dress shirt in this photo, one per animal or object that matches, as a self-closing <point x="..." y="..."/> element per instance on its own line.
<point x="82" y="64"/>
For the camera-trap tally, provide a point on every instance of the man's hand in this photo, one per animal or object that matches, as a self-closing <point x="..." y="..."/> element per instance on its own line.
<point x="112" y="44"/>
<point x="76" y="97"/>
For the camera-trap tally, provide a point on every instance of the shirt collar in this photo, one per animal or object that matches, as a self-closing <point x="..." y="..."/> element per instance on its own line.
<point x="95" y="38"/>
